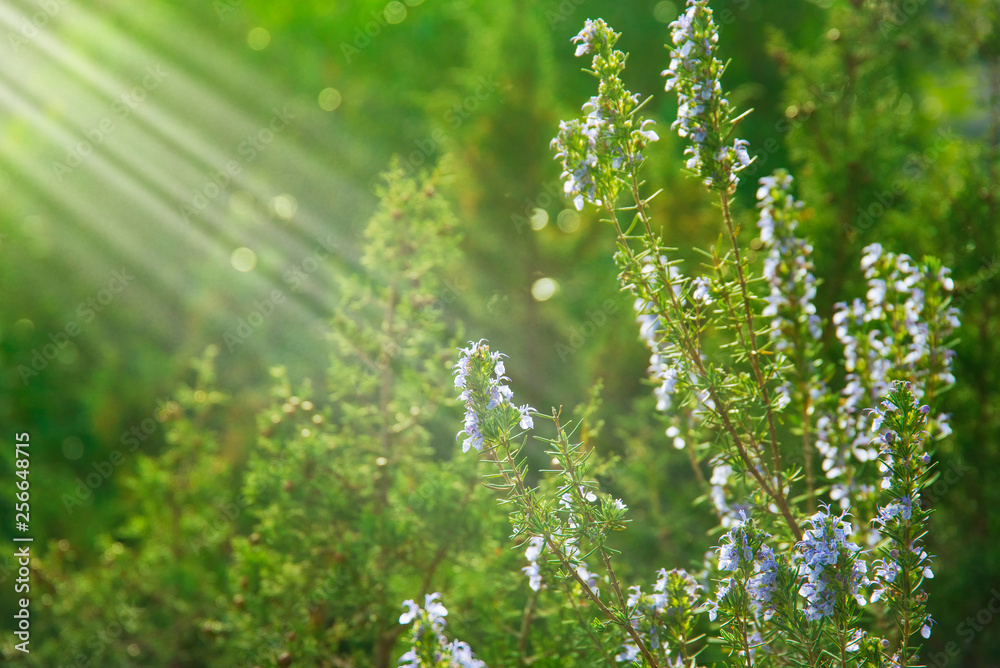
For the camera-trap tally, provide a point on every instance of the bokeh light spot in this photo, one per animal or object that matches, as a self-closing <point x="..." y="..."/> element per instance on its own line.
<point x="568" y="221"/>
<point x="68" y="353"/>
<point x="72" y="448"/>
<point x="258" y="39"/>
<point x="395" y="12"/>
<point x="243" y="259"/>
<point x="905" y="105"/>
<point x="544" y="289"/>
<point x="241" y="204"/>
<point x="539" y="219"/>
<point x="931" y="107"/>
<point x="330" y="99"/>
<point x="23" y="327"/>
<point x="665" y="12"/>
<point x="284" y="206"/>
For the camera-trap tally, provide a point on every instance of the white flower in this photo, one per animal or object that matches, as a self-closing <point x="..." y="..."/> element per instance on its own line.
<point x="435" y="610"/>
<point x="871" y="255"/>
<point x="629" y="653"/>
<point x="648" y="135"/>
<point x="742" y="157"/>
<point x="534" y="576"/>
<point x="411" y="614"/>
<point x="702" y="288"/>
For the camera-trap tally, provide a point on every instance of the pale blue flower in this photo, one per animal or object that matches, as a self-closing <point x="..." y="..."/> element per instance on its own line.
<point x="526" y="421"/>
<point x="761" y="586"/>
<point x="587" y="576"/>
<point x="648" y="135"/>
<point x="454" y="654"/>
<point x="590" y="38"/>
<point x="736" y="546"/>
<point x="635" y="595"/>
<point x="498" y="395"/>
<point x="533" y="551"/>
<point x="461" y="654"/>
<point x="534" y="575"/>
<point x="411" y="614"/>
<point x="702" y="290"/>
<point x="629" y="653"/>
<point x="821" y="549"/>
<point x="713" y="606"/>
<point x="436" y="612"/>
<point x="729" y="558"/>
<point x="410" y="660"/>
<point x="694" y="75"/>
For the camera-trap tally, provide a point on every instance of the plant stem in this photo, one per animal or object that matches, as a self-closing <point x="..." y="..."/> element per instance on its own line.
<point x="807" y="454"/>
<point x="692" y="350"/>
<point x="575" y="481"/>
<point x="751" y="334"/>
<point x="516" y="485"/>
<point x="522" y="636"/>
<point x="590" y="631"/>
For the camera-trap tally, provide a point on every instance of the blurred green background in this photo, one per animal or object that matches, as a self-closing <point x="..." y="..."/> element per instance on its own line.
<point x="170" y="169"/>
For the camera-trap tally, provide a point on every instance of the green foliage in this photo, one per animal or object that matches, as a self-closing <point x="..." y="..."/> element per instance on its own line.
<point x="146" y="601"/>
<point x="886" y="112"/>
<point x="352" y="511"/>
<point x="716" y="368"/>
